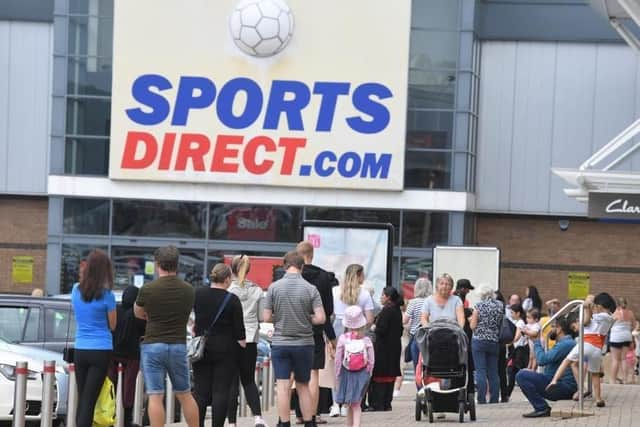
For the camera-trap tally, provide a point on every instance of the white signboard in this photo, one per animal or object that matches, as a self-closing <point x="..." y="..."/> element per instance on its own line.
<point x="336" y="248"/>
<point x="481" y="265"/>
<point x="269" y="92"/>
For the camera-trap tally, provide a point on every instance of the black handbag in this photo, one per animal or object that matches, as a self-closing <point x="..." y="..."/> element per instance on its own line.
<point x="196" y="347"/>
<point x="407" y="351"/>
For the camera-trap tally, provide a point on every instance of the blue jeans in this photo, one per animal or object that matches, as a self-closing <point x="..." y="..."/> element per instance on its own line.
<point x="415" y="352"/>
<point x="533" y="386"/>
<point x="485" y="358"/>
<point x="160" y="359"/>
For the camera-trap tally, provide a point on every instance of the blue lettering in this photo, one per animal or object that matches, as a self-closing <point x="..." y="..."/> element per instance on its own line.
<point x="186" y="100"/>
<point x="291" y="107"/>
<point x="319" y="164"/>
<point x="329" y="92"/>
<point x="349" y="164"/>
<point x="378" y="112"/>
<point x="372" y="166"/>
<point x="227" y="98"/>
<point x="141" y="91"/>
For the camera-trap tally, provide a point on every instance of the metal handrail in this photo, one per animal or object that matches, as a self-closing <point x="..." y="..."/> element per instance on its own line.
<point x="568" y="307"/>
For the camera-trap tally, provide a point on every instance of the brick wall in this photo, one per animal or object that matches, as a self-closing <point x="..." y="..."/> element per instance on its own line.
<point x="534" y="251"/>
<point x="23" y="232"/>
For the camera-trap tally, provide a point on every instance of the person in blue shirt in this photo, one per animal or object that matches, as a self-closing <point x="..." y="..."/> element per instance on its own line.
<point x="94" y="306"/>
<point x="533" y="385"/>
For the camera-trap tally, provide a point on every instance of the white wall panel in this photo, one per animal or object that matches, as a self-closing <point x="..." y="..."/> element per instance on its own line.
<point x="5" y="44"/>
<point x="566" y="101"/>
<point x="495" y="129"/>
<point x="26" y="130"/>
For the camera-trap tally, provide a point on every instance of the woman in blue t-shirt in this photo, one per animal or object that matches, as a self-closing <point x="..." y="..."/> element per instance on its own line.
<point x="94" y="306"/>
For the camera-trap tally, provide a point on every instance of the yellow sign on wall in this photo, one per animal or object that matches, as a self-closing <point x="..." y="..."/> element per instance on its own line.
<point x="22" y="269"/>
<point x="579" y="285"/>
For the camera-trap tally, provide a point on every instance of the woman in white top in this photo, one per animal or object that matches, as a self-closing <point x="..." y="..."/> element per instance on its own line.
<point x="350" y="292"/>
<point x="250" y="295"/>
<point x="620" y="339"/>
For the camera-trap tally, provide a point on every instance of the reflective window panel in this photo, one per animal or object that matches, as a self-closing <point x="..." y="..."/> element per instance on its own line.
<point x="254" y="223"/>
<point x="427" y="169"/>
<point x="159" y="219"/>
<point x="424" y="229"/>
<point x="86" y="216"/>
<point x="84" y="156"/>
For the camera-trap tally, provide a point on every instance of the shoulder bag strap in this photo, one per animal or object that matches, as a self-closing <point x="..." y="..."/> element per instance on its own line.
<point x="226" y="299"/>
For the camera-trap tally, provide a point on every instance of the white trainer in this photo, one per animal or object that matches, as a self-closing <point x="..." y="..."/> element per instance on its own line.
<point x="343" y="411"/>
<point x="334" y="411"/>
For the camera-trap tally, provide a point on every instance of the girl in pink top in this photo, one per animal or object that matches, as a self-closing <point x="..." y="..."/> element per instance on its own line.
<point x="354" y="364"/>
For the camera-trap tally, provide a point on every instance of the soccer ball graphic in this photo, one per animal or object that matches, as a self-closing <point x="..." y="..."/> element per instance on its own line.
<point x="261" y="28"/>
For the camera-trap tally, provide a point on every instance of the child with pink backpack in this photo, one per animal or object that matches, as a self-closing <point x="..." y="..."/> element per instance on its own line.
<point x="354" y="363"/>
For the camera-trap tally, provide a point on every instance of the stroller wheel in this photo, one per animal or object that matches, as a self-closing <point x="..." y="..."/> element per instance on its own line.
<point x="472" y="409"/>
<point x="430" y="411"/>
<point x="418" y="408"/>
<point x="461" y="408"/>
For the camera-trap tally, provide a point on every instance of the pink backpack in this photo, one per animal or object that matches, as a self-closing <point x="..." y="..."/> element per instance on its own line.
<point x="355" y="354"/>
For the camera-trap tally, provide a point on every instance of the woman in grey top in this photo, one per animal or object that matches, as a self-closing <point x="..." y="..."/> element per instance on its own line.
<point x="443" y="305"/>
<point x="421" y="290"/>
<point x="485" y="323"/>
<point x="250" y="295"/>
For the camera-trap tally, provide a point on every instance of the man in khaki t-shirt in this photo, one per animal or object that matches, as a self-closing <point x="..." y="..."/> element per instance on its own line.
<point x="166" y="304"/>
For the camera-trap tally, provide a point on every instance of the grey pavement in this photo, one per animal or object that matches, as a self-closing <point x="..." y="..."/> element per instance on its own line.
<point x="623" y="410"/>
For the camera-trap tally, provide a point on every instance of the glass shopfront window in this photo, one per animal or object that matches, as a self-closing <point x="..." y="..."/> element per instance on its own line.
<point x="433" y="49"/>
<point x="91" y="7"/>
<point x="431" y="89"/>
<point x="90" y="36"/>
<point x="84" y="156"/>
<point x="86" y="216"/>
<point x="88" y="116"/>
<point x="159" y="219"/>
<point x="84" y="79"/>
<point x="441" y="14"/>
<point x="424" y="229"/>
<point x="429" y="129"/>
<point x="427" y="169"/>
<point x="135" y="266"/>
<point x="70" y="269"/>
<point x="254" y="223"/>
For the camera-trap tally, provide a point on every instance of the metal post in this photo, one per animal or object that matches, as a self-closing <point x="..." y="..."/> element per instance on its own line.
<point x="137" y="400"/>
<point x="271" y="384"/>
<point x="581" y="359"/>
<point x="119" y="402"/>
<point x="72" y="404"/>
<point x="169" y="403"/>
<point x="48" y="380"/>
<point x="266" y="390"/>
<point x="243" y="402"/>
<point x="20" y="394"/>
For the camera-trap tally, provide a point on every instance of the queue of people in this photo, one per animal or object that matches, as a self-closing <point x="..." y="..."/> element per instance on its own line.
<point x="319" y="322"/>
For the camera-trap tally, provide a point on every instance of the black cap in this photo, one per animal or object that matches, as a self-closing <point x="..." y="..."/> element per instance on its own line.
<point x="464" y="284"/>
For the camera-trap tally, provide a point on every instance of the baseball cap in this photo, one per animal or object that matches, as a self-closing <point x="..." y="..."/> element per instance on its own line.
<point x="464" y="284"/>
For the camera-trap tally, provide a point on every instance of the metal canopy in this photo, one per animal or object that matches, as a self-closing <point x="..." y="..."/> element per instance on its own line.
<point x="595" y="173"/>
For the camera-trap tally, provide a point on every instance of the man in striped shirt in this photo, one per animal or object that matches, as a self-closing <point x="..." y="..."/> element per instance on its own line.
<point x="294" y="306"/>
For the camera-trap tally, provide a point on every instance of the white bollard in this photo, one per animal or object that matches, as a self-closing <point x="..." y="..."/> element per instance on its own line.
<point x="20" y="394"/>
<point x="48" y="381"/>
<point x="119" y="397"/>
<point x="138" y="400"/>
<point x="72" y="403"/>
<point x="169" y="405"/>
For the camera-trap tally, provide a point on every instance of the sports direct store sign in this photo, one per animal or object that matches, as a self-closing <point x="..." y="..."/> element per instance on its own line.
<point x="269" y="92"/>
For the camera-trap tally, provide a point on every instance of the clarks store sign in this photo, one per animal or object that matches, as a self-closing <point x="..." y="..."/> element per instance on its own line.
<point x="614" y="205"/>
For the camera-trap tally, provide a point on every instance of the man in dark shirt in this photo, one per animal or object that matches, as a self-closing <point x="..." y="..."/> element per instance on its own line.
<point x="166" y="304"/>
<point x="463" y="286"/>
<point x="324" y="281"/>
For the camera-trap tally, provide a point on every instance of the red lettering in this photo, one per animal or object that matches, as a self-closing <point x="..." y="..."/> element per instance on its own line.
<point x="129" y="160"/>
<point x="250" y="151"/>
<point x="290" y="145"/>
<point x="192" y="146"/>
<point x="167" y="151"/>
<point x="222" y="152"/>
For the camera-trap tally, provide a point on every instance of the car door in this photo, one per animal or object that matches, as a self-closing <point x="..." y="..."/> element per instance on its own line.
<point x="21" y="324"/>
<point x="59" y="328"/>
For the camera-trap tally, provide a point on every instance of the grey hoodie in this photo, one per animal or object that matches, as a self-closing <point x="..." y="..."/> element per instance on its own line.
<point x="250" y="296"/>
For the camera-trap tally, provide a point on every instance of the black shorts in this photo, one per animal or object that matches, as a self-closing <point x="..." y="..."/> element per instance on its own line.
<point x="318" y="352"/>
<point x="620" y="344"/>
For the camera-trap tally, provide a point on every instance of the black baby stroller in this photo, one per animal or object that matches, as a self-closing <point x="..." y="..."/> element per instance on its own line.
<point x="442" y="374"/>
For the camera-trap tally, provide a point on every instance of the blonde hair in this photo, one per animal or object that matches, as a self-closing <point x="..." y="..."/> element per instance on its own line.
<point x="305" y="249"/>
<point x="220" y="273"/>
<point x="351" y="285"/>
<point x="240" y="266"/>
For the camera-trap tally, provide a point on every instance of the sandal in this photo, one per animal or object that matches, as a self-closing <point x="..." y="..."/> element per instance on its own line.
<point x="584" y="395"/>
<point x="600" y="403"/>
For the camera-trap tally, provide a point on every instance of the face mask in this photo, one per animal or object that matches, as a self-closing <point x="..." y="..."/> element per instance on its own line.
<point x="553" y="335"/>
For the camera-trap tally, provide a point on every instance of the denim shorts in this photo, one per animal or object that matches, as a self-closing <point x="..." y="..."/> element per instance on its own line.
<point x="292" y="358"/>
<point x="159" y="360"/>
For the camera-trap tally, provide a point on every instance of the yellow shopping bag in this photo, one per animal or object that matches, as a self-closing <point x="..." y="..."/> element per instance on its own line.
<point x="105" y="411"/>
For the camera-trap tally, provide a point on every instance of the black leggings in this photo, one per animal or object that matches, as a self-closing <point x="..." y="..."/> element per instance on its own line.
<point x="91" y="371"/>
<point x="248" y="357"/>
<point x="213" y="378"/>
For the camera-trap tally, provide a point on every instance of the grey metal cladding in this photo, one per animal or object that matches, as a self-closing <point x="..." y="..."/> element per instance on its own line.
<point x="26" y="10"/>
